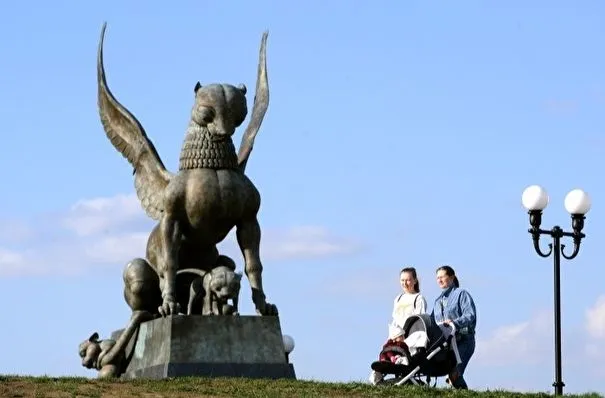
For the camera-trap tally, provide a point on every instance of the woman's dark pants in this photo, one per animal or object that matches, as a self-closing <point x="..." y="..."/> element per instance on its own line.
<point x="466" y="348"/>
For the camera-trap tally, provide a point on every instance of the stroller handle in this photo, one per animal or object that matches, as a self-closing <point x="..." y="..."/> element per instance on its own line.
<point x="450" y="325"/>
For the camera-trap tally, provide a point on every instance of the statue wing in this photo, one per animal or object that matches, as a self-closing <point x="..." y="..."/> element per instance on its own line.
<point x="261" y="103"/>
<point x="129" y="138"/>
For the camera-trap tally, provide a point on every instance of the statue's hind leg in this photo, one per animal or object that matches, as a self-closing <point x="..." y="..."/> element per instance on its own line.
<point x="141" y="286"/>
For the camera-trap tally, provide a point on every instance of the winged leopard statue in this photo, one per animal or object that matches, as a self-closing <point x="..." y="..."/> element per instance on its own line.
<point x="198" y="206"/>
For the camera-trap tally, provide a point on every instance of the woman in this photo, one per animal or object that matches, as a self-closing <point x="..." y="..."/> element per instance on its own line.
<point x="407" y="303"/>
<point x="410" y="301"/>
<point x="456" y="306"/>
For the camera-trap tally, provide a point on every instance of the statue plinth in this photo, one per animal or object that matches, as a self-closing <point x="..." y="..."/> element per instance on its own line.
<point x="208" y="346"/>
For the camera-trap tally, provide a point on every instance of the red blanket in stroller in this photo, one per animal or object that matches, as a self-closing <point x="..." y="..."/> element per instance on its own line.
<point x="393" y="350"/>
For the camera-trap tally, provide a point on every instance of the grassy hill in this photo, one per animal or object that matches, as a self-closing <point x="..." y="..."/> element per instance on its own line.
<point x="12" y="386"/>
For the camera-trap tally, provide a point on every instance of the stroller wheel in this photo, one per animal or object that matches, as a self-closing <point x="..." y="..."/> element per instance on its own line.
<point x="421" y="382"/>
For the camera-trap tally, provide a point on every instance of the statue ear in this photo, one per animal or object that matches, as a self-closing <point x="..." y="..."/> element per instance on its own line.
<point x="242" y="88"/>
<point x="198" y="85"/>
<point x="238" y="276"/>
<point x="94" y="337"/>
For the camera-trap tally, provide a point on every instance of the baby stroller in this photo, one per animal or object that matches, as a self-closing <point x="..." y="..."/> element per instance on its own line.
<point x="432" y="353"/>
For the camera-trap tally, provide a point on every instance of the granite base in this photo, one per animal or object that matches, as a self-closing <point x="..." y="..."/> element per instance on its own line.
<point x="208" y="346"/>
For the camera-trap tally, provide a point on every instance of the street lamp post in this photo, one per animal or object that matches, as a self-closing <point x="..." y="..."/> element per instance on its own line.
<point x="577" y="204"/>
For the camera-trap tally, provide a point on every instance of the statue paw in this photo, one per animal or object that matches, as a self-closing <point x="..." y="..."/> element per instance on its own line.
<point x="262" y="306"/>
<point x="108" y="372"/>
<point x="266" y="309"/>
<point x="169" y="307"/>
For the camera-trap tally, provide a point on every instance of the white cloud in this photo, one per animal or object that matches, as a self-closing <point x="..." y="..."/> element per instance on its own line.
<point x="10" y="261"/>
<point x="524" y="341"/>
<point x="595" y="319"/>
<point x="117" y="248"/>
<point x="10" y="258"/>
<point x="111" y="231"/>
<point x="73" y="255"/>
<point x="368" y="283"/>
<point x="531" y="342"/>
<point x="14" y="231"/>
<point x="304" y="242"/>
<point x="595" y="329"/>
<point x="295" y="243"/>
<point x="98" y="215"/>
<point x="561" y="106"/>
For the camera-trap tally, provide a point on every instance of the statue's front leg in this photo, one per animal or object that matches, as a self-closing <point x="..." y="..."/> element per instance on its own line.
<point x="235" y="301"/>
<point x="170" y="241"/>
<point x="207" y="304"/>
<point x="248" y="238"/>
<point x="217" y="308"/>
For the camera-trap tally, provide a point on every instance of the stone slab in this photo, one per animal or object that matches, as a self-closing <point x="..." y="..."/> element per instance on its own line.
<point x="210" y="346"/>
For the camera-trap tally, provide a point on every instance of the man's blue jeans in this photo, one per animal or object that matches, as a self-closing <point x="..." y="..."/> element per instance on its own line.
<point x="466" y="349"/>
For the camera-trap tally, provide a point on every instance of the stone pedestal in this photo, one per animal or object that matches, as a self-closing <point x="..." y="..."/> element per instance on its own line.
<point x="209" y="346"/>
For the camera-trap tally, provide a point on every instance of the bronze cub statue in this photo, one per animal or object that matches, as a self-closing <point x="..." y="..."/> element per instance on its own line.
<point x="214" y="289"/>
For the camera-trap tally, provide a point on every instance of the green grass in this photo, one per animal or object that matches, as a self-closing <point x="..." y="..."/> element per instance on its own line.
<point x="13" y="386"/>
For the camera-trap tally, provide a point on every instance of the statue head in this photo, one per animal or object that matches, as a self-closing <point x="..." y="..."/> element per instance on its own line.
<point x="220" y="108"/>
<point x="90" y="350"/>
<point x="225" y="283"/>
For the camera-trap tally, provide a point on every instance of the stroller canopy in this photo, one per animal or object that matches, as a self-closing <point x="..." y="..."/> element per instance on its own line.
<point x="424" y="332"/>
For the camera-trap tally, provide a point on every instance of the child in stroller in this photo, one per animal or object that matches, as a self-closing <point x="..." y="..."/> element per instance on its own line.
<point x="394" y="351"/>
<point x="428" y="350"/>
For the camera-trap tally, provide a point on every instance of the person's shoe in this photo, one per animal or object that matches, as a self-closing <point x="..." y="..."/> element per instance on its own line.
<point x="375" y="377"/>
<point x="458" y="383"/>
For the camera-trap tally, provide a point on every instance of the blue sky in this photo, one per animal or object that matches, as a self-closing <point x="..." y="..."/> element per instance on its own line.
<point x="398" y="133"/>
